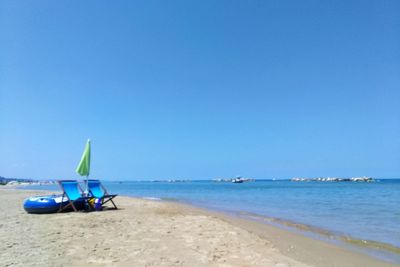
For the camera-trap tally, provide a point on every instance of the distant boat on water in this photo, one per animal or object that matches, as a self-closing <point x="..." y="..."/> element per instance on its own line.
<point x="240" y="179"/>
<point x="237" y="180"/>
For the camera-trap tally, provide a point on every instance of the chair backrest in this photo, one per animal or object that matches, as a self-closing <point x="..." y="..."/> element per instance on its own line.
<point x="95" y="188"/>
<point x="71" y="189"/>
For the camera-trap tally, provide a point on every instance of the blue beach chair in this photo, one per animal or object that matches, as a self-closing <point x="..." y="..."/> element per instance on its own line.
<point x="73" y="192"/>
<point x="97" y="190"/>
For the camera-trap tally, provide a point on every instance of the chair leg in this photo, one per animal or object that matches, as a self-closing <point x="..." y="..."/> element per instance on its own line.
<point x="110" y="199"/>
<point x="115" y="206"/>
<point x="65" y="207"/>
<point x="73" y="206"/>
<point x="61" y="203"/>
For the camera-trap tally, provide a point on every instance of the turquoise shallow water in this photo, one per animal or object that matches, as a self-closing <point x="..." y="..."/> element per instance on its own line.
<point x="361" y="210"/>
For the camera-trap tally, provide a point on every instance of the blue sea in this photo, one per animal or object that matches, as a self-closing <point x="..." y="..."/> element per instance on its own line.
<point x="364" y="211"/>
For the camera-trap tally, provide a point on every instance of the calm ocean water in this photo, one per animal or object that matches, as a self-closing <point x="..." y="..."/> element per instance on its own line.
<point x="361" y="210"/>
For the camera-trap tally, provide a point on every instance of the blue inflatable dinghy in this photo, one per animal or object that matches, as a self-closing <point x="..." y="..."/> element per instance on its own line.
<point x="45" y="204"/>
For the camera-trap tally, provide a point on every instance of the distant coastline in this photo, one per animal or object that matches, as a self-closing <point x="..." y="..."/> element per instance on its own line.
<point x="33" y="181"/>
<point x="23" y="181"/>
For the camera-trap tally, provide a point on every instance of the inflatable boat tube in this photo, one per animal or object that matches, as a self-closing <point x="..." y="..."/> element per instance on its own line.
<point x="47" y="204"/>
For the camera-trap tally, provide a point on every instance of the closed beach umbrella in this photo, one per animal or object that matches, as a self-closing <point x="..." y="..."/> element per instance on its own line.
<point x="83" y="168"/>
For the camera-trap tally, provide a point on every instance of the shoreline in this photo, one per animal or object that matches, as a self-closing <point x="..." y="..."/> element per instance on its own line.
<point x="375" y="249"/>
<point x="372" y="248"/>
<point x="283" y="246"/>
<point x="379" y="251"/>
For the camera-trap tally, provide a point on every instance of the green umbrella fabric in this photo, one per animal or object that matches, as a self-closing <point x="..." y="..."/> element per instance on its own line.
<point x="84" y="165"/>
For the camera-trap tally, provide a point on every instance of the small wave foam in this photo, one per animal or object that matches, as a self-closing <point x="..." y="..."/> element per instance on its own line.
<point x="152" y="198"/>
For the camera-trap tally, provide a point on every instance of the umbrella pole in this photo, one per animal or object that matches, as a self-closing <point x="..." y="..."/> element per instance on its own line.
<point x="87" y="186"/>
<point x="86" y="193"/>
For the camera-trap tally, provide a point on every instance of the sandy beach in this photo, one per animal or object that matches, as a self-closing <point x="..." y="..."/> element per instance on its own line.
<point x="155" y="233"/>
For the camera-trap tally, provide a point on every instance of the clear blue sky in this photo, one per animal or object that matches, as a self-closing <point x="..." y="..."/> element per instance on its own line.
<point x="200" y="89"/>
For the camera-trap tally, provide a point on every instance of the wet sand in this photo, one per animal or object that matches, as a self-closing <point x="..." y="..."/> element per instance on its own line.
<point x="155" y="233"/>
